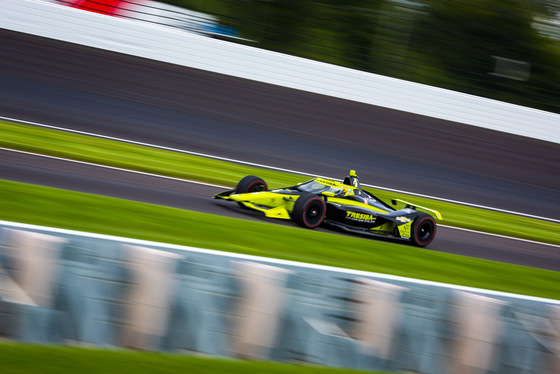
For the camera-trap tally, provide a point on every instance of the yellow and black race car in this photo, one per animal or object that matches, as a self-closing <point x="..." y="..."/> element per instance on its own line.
<point x="342" y="205"/>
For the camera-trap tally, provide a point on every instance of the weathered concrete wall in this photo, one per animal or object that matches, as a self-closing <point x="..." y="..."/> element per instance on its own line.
<point x="119" y="292"/>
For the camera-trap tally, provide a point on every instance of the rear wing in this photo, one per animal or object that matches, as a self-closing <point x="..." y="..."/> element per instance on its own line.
<point x="414" y="206"/>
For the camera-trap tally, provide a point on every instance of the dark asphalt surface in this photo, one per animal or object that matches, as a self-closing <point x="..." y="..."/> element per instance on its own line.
<point x="102" y="92"/>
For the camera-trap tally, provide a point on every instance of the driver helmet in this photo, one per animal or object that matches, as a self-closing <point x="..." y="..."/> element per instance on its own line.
<point x="352" y="180"/>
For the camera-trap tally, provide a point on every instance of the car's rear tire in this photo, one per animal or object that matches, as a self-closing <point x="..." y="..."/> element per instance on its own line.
<point x="309" y="211"/>
<point x="423" y="230"/>
<point x="251" y="183"/>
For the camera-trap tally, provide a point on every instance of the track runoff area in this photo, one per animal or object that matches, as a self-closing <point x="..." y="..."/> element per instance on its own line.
<point x="264" y="167"/>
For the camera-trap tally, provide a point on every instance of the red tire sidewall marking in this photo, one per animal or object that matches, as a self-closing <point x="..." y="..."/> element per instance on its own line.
<point x="305" y="210"/>
<point x="254" y="183"/>
<point x="418" y="227"/>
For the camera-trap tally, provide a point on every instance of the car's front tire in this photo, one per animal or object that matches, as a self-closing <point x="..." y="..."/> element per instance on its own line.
<point x="423" y="230"/>
<point x="248" y="184"/>
<point x="251" y="183"/>
<point x="309" y="211"/>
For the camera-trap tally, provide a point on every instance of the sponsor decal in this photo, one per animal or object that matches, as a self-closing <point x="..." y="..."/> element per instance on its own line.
<point x="327" y="182"/>
<point x="360" y="217"/>
<point x="404" y="230"/>
<point x="403" y="219"/>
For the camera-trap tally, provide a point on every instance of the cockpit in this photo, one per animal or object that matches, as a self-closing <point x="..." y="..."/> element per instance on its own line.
<point x="316" y="187"/>
<point x="319" y="186"/>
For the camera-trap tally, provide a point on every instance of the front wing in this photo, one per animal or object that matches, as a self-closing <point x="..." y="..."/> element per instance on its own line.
<point x="272" y="204"/>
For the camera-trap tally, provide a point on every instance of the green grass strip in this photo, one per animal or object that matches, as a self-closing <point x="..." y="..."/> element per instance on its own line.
<point x="78" y="211"/>
<point x="157" y="161"/>
<point x="16" y="358"/>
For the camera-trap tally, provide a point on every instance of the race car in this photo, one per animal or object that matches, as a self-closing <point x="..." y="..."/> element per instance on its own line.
<point x="344" y="205"/>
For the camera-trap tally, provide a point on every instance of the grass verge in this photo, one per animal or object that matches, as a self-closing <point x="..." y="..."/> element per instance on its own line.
<point x="157" y="161"/>
<point x="78" y="211"/>
<point x="18" y="358"/>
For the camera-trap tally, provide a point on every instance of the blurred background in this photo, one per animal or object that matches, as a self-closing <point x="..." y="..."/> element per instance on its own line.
<point x="82" y="289"/>
<point x="505" y="50"/>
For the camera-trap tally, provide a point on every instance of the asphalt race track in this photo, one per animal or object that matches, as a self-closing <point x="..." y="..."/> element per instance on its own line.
<point x="184" y="195"/>
<point x="97" y="91"/>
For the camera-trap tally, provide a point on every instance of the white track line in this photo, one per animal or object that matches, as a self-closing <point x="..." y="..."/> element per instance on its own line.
<point x="499" y="236"/>
<point x="275" y="168"/>
<point x="225" y="187"/>
<point x="114" y="168"/>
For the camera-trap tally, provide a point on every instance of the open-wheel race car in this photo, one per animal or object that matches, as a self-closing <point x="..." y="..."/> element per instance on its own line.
<point x="344" y="205"/>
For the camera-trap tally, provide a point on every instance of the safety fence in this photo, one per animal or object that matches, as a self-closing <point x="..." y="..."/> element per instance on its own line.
<point x="65" y="287"/>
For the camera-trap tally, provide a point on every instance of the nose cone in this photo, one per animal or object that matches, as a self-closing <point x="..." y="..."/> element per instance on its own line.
<point x="236" y="197"/>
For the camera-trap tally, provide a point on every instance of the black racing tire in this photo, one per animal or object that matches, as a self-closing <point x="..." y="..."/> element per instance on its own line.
<point x="251" y="183"/>
<point x="309" y="210"/>
<point x="423" y="230"/>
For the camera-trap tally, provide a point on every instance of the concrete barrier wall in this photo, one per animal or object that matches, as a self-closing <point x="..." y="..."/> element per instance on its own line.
<point x="118" y="292"/>
<point x="43" y="18"/>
